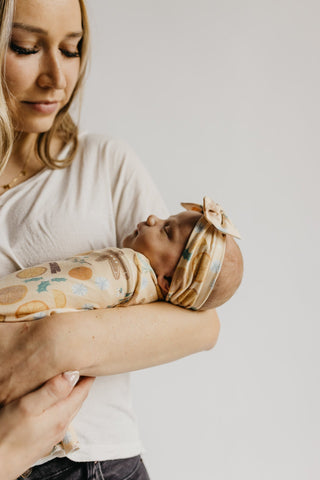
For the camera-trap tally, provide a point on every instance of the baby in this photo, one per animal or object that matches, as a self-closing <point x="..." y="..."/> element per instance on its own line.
<point x="197" y="262"/>
<point x="190" y="259"/>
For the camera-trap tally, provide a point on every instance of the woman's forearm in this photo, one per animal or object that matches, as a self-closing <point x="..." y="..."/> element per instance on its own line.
<point x="101" y="342"/>
<point x="112" y="341"/>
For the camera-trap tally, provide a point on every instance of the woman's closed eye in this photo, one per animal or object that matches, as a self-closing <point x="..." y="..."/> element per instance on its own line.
<point x="69" y="54"/>
<point x="32" y="51"/>
<point x="23" y="50"/>
<point x="71" y="49"/>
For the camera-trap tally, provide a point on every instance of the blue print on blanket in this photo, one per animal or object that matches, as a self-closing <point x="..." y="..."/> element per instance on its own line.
<point x="102" y="283"/>
<point x="79" y="289"/>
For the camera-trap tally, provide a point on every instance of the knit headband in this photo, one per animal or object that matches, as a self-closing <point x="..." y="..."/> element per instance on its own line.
<point x="201" y="261"/>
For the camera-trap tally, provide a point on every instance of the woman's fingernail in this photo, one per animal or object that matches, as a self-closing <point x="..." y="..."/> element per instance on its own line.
<point x="72" y="377"/>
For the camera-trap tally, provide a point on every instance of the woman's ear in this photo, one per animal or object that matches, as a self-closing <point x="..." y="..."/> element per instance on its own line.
<point x="164" y="283"/>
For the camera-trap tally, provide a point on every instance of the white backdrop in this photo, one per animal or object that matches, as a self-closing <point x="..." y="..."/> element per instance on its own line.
<point x="221" y="97"/>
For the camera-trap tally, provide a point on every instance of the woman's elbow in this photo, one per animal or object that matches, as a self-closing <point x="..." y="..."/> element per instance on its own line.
<point x="212" y="329"/>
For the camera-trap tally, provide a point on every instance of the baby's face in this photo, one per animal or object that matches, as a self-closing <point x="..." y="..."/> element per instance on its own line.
<point x="163" y="241"/>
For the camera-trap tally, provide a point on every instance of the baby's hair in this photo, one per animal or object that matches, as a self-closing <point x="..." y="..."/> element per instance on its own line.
<point x="229" y="277"/>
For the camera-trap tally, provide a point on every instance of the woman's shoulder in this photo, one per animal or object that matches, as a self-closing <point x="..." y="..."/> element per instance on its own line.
<point x="102" y="149"/>
<point x="100" y="143"/>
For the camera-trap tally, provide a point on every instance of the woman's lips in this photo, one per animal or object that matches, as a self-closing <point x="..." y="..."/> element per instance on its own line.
<point x="43" y="107"/>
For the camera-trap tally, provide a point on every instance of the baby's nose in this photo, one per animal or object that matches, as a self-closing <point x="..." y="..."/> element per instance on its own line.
<point x="152" y="220"/>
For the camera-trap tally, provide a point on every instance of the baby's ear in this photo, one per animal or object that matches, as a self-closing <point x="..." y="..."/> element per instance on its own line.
<point x="164" y="283"/>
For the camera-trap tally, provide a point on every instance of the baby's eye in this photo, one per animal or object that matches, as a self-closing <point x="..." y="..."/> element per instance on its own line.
<point x="167" y="230"/>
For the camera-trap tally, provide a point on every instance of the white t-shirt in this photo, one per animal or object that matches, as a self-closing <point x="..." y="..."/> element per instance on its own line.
<point x="92" y="204"/>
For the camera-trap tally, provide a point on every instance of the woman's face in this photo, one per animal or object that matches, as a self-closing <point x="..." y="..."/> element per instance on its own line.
<point x="42" y="64"/>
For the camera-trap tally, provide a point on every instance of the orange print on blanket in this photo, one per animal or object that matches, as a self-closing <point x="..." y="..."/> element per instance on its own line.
<point x="34" y="306"/>
<point x="31" y="272"/>
<point x="12" y="294"/>
<point x="81" y="273"/>
<point x="59" y="298"/>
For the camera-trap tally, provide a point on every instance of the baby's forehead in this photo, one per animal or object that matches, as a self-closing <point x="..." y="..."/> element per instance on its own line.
<point x="184" y="221"/>
<point x="186" y="217"/>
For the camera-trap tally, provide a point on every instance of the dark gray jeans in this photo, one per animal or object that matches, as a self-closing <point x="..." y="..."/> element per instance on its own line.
<point x="65" y="469"/>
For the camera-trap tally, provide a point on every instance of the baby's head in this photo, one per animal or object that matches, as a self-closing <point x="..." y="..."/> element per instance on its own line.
<point x="229" y="278"/>
<point x="162" y="241"/>
<point x="197" y="262"/>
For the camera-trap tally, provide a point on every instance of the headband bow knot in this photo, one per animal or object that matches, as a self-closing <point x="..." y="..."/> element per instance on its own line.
<point x="201" y="261"/>
<point x="215" y="215"/>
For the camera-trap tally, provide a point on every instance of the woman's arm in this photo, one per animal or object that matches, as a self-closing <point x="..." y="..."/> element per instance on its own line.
<point x="102" y="342"/>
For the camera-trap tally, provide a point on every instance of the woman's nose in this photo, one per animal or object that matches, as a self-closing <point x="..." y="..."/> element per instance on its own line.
<point x="152" y="220"/>
<point x="52" y="74"/>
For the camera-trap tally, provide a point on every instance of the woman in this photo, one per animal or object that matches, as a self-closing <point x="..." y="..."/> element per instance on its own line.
<point x="64" y="192"/>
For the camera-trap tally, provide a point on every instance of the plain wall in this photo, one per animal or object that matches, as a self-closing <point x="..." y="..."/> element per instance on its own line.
<point x="222" y="98"/>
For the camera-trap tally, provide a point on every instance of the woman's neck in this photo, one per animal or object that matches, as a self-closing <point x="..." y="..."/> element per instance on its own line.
<point x="23" y="149"/>
<point x="23" y="162"/>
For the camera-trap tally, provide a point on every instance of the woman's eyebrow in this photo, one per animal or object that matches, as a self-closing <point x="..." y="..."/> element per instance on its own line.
<point x="33" y="29"/>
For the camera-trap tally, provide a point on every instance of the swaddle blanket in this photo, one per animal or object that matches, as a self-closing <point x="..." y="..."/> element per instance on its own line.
<point x="94" y="280"/>
<point x="98" y="279"/>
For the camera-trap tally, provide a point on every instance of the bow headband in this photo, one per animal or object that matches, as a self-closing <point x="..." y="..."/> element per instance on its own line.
<point x="201" y="261"/>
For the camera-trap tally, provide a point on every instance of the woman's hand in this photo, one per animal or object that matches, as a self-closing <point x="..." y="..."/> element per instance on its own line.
<point x="33" y="424"/>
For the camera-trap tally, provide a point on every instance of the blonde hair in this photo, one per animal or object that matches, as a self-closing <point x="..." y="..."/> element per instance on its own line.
<point x="63" y="125"/>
